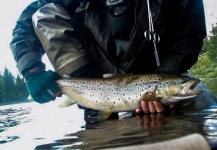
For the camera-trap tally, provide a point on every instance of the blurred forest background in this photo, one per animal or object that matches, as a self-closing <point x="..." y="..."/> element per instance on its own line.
<point x="206" y="67"/>
<point x="12" y="89"/>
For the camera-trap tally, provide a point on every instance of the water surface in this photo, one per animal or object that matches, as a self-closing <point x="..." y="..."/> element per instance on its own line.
<point x="33" y="126"/>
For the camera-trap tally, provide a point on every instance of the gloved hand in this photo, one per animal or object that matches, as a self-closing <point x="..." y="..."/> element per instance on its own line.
<point x="42" y="87"/>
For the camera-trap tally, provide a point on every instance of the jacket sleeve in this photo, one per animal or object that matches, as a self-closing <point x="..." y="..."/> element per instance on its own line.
<point x="183" y="39"/>
<point x="25" y="45"/>
<point x="43" y="28"/>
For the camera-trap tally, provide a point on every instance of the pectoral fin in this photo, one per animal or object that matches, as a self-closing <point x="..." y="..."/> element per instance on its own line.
<point x="67" y="102"/>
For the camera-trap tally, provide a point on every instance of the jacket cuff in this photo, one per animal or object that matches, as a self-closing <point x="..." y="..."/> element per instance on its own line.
<point x="32" y="69"/>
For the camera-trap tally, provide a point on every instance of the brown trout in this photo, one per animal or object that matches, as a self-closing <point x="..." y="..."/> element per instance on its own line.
<point x="124" y="92"/>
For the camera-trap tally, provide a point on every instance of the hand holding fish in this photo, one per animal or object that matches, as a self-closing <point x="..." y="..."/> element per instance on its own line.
<point x="152" y="107"/>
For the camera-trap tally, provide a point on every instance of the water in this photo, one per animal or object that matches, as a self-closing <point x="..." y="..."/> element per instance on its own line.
<point x="31" y="126"/>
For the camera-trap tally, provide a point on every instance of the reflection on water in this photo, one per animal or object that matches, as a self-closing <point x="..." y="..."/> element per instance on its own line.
<point x="140" y="130"/>
<point x="33" y="126"/>
<point x="28" y="125"/>
<point x="12" y="117"/>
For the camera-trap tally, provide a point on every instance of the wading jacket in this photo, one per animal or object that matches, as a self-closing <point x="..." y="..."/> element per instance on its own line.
<point x="180" y="24"/>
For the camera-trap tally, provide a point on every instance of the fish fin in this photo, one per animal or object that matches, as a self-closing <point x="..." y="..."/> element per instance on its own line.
<point x="149" y="96"/>
<point x="109" y="75"/>
<point x="30" y="98"/>
<point x="67" y="102"/>
<point x="66" y="76"/>
<point x="104" y="114"/>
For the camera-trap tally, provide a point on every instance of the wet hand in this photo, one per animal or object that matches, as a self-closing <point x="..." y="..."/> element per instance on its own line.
<point x="153" y="107"/>
<point x="150" y="107"/>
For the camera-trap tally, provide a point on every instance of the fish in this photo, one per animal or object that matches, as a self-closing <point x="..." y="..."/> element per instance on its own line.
<point x="122" y="93"/>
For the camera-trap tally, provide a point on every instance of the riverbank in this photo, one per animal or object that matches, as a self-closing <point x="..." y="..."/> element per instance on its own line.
<point x="211" y="83"/>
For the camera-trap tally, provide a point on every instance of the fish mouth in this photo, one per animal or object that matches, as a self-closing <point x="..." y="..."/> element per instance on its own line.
<point x="188" y="90"/>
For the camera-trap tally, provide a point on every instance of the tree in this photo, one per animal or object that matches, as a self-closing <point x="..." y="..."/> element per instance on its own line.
<point x="205" y="46"/>
<point x="211" y="45"/>
<point x="20" y="88"/>
<point x="2" y="89"/>
<point x="206" y="67"/>
<point x="9" y="84"/>
<point x="12" y="90"/>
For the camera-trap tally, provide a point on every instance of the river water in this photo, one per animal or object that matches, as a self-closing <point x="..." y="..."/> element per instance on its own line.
<point x="31" y="126"/>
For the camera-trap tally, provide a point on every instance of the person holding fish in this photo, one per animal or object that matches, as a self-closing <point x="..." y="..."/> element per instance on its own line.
<point x="90" y="38"/>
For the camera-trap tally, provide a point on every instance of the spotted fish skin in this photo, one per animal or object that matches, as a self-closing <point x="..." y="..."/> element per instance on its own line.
<point x="122" y="92"/>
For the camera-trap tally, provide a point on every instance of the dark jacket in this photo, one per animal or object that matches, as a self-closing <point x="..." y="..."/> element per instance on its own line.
<point x="180" y="24"/>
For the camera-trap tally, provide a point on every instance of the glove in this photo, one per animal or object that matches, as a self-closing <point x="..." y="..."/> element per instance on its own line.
<point x="42" y="87"/>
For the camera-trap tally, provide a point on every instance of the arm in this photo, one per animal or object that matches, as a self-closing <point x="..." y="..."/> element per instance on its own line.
<point x="25" y="45"/>
<point x="28" y="50"/>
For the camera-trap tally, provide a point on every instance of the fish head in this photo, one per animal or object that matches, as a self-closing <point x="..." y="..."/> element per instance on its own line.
<point x="177" y="88"/>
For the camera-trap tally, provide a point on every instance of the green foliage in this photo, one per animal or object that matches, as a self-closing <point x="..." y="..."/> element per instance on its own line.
<point x="205" y="46"/>
<point x="206" y="67"/>
<point x="12" y="90"/>
<point x="20" y="88"/>
<point x="9" y="84"/>
<point x="212" y="45"/>
<point x="211" y="84"/>
<point x="2" y="89"/>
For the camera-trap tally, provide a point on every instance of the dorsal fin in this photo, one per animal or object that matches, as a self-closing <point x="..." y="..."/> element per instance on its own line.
<point x="109" y="75"/>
